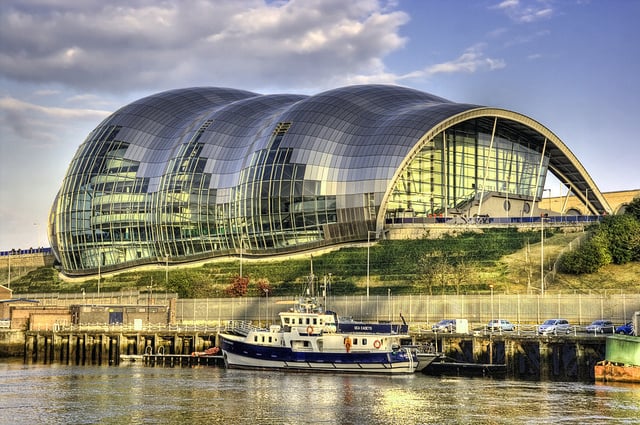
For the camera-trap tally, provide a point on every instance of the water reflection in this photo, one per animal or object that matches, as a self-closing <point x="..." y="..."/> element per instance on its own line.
<point x="134" y="394"/>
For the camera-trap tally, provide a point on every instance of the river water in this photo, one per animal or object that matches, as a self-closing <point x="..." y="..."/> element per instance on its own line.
<point x="135" y="394"/>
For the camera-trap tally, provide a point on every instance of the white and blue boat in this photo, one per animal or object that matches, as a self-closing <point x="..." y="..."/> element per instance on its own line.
<point x="310" y="338"/>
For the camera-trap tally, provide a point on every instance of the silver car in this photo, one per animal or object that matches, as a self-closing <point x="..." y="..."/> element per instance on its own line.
<point x="499" y="325"/>
<point x="554" y="326"/>
<point x="601" y="327"/>
<point x="446" y="325"/>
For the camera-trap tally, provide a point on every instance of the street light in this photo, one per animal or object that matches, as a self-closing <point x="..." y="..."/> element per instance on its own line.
<point x="9" y="271"/>
<point x="492" y="316"/>
<point x="368" y="257"/>
<point x="166" y="272"/>
<point x="241" y="245"/>
<point x="99" y="263"/>
<point x="266" y="292"/>
<point x="542" y="249"/>
<point x="149" y="289"/>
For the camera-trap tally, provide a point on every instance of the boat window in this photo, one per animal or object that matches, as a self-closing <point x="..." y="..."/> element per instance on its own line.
<point x="299" y="320"/>
<point x="286" y="320"/>
<point x="270" y="339"/>
<point x="308" y="322"/>
<point x="355" y="341"/>
<point x="364" y="341"/>
<point x="315" y="321"/>
<point x="255" y="338"/>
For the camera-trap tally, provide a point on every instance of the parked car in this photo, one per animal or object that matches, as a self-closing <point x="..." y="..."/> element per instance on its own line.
<point x="499" y="325"/>
<point x="554" y="326"/>
<point x="601" y="327"/>
<point x="626" y="329"/>
<point x="446" y="325"/>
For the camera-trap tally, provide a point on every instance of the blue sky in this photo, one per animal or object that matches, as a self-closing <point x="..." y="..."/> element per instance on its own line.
<point x="572" y="65"/>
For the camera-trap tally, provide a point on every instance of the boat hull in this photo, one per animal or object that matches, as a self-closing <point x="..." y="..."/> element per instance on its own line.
<point x="608" y="372"/>
<point x="238" y="354"/>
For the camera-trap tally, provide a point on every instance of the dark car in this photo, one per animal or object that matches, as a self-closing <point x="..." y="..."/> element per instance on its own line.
<point x="601" y="327"/>
<point x="626" y="329"/>
<point x="446" y="325"/>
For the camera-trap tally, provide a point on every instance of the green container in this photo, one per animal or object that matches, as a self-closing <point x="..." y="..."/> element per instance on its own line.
<point x="623" y="349"/>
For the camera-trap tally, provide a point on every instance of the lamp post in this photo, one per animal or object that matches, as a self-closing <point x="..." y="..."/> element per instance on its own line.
<point x="368" y="257"/>
<point x="241" y="243"/>
<point x="492" y="316"/>
<point x="266" y="293"/>
<point x="166" y="272"/>
<point x="99" y="264"/>
<point x="9" y="271"/>
<point x="542" y="250"/>
<point x="389" y="293"/>
<point x="149" y="289"/>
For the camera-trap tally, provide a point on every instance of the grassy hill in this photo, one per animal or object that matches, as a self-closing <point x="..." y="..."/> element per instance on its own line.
<point x="508" y="259"/>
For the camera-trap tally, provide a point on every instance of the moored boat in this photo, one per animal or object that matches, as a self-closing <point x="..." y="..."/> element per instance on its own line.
<point x="310" y="338"/>
<point x="622" y="360"/>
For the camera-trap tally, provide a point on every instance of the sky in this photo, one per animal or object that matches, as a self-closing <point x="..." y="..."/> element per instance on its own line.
<point x="65" y="65"/>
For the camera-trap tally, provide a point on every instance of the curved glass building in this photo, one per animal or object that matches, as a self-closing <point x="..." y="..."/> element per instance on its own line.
<point x="203" y="172"/>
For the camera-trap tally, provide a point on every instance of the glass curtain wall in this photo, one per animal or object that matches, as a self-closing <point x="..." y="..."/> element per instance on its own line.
<point x="102" y="206"/>
<point x="275" y="206"/>
<point x="461" y="165"/>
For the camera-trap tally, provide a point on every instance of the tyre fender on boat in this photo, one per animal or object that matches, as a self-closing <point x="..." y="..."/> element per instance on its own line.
<point x="377" y="343"/>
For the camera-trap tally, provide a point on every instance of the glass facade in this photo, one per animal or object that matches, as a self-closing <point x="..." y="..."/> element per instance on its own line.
<point x="463" y="164"/>
<point x="203" y="172"/>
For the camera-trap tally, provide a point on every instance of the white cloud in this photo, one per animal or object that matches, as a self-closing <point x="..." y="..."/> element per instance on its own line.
<point x="472" y="60"/>
<point x="526" y="11"/>
<point x="124" y="45"/>
<point x="8" y="104"/>
<point x="41" y="125"/>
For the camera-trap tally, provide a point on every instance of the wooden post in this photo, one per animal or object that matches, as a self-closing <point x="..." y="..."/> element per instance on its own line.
<point x="545" y="354"/>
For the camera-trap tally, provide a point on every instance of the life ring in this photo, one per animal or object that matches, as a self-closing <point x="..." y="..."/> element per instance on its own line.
<point x="309" y="329"/>
<point x="377" y="343"/>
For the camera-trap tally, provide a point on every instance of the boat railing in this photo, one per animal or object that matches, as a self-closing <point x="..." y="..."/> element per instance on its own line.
<point x="241" y="327"/>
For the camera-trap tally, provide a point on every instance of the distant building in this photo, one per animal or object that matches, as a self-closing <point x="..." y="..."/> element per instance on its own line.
<point x="573" y="205"/>
<point x="204" y="172"/>
<point x="120" y="314"/>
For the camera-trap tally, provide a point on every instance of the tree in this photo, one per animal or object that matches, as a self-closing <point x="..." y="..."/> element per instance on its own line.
<point x="588" y="257"/>
<point x="623" y="235"/>
<point x="426" y="271"/>
<point x="433" y="268"/>
<point x="633" y="208"/>
<point x="264" y="287"/>
<point x="238" y="287"/>
<point x="460" y="274"/>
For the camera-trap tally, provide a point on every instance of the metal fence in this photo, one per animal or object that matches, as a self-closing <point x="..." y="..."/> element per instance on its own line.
<point x="578" y="309"/>
<point x="422" y="310"/>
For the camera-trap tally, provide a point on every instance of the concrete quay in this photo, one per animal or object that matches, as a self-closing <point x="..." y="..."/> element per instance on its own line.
<point x="100" y="347"/>
<point x="527" y="357"/>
